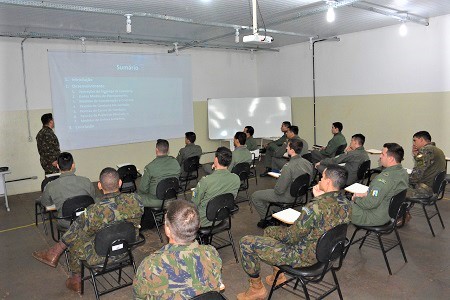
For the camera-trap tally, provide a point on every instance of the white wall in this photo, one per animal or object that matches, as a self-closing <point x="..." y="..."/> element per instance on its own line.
<point x="215" y="74"/>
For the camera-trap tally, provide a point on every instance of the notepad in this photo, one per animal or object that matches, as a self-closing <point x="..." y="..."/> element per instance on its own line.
<point x="409" y="171"/>
<point x="357" y="188"/>
<point x="373" y="151"/>
<point x="274" y="174"/>
<point x="52" y="175"/>
<point x="50" y="207"/>
<point x="122" y="165"/>
<point x="288" y="216"/>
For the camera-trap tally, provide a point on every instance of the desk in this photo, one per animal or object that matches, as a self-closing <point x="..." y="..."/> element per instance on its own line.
<point x="3" y="190"/>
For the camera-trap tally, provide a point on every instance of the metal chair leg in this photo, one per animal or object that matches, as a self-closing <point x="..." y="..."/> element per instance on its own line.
<point x="337" y="284"/>
<point x="232" y="246"/>
<point x="401" y="245"/>
<point x="157" y="226"/>
<point x="428" y="219"/>
<point x="439" y="214"/>
<point x="384" y="254"/>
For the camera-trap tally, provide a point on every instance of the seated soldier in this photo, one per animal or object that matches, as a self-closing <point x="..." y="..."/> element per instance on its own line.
<point x="162" y="167"/>
<point x="280" y="157"/>
<point x="273" y="146"/>
<point x="181" y="269"/>
<point x="354" y="156"/>
<point x="372" y="208"/>
<point x="221" y="181"/>
<point x="79" y="239"/>
<point x="296" y="166"/>
<point x="240" y="153"/>
<point x="296" y="245"/>
<point x="66" y="186"/>
<point x="251" y="143"/>
<point x="190" y="150"/>
<point x="330" y="149"/>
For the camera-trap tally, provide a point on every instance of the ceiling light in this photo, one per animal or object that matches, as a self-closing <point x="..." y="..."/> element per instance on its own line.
<point x="403" y="30"/>
<point x="128" y="22"/>
<point x="330" y="13"/>
<point x="175" y="47"/>
<point x="236" y="36"/>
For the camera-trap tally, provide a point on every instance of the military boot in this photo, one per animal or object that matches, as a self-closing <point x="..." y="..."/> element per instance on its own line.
<point x="281" y="278"/>
<point x="256" y="291"/>
<point x="51" y="256"/>
<point x="74" y="283"/>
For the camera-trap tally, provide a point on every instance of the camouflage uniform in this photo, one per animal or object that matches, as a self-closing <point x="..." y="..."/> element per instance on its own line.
<point x="271" y="149"/>
<point x="48" y="148"/>
<point x="278" y="159"/>
<point x="251" y="144"/>
<point x="373" y="209"/>
<point x="66" y="186"/>
<point x="330" y="150"/>
<point x="295" y="245"/>
<point x="428" y="162"/>
<point x="218" y="183"/>
<point x="281" y="192"/>
<point x="188" y="151"/>
<point x="80" y="236"/>
<point x="178" y="272"/>
<point x="160" y="168"/>
<point x="352" y="159"/>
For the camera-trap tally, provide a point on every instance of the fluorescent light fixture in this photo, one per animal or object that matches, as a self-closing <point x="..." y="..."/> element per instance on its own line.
<point x="403" y="30"/>
<point x="236" y="36"/>
<point x="128" y="26"/>
<point x="331" y="16"/>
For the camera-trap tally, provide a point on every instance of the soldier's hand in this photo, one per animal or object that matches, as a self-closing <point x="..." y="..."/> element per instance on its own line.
<point x="55" y="163"/>
<point x="317" y="191"/>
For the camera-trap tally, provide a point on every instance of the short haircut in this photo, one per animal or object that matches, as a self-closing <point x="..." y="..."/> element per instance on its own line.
<point x="241" y="137"/>
<point x="190" y="136"/>
<point x="65" y="161"/>
<point x="395" y="150"/>
<point x="296" y="145"/>
<point x="46" y="118"/>
<point x="224" y="156"/>
<point x="109" y="179"/>
<point x="287" y="123"/>
<point x="183" y="219"/>
<point x="294" y="129"/>
<point x="361" y="139"/>
<point x="338" y="125"/>
<point x="424" y="135"/>
<point x="162" y="146"/>
<point x="338" y="175"/>
<point x="250" y="130"/>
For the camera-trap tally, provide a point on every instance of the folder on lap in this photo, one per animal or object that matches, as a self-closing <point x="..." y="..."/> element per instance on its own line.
<point x="288" y="216"/>
<point x="274" y="174"/>
<point x="357" y="188"/>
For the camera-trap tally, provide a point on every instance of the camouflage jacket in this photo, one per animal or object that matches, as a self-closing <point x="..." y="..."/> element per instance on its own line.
<point x="48" y="148"/>
<point x="178" y="272"/>
<point x="429" y="162"/>
<point x="321" y="214"/>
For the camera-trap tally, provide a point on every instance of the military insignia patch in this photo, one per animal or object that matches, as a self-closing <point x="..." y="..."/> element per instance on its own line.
<point x="374" y="193"/>
<point x="382" y="180"/>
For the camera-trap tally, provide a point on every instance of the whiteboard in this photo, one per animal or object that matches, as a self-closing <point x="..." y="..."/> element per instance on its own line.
<point x="265" y="114"/>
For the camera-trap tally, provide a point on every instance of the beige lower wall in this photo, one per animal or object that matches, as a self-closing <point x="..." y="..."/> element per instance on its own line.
<point x="381" y="118"/>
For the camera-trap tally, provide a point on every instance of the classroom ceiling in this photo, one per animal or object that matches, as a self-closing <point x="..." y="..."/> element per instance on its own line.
<point x="207" y="23"/>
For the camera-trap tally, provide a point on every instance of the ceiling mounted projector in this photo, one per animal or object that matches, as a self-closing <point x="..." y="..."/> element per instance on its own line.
<point x="257" y="39"/>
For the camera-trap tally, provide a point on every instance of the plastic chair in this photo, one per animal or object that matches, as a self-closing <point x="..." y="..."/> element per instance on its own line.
<point x="363" y="170"/>
<point x="397" y="209"/>
<point x="438" y="193"/>
<point x="218" y="211"/>
<point x="340" y="149"/>
<point x="128" y="174"/>
<point x="211" y="295"/>
<point x="330" y="248"/>
<point x="190" y="170"/>
<point x="299" y="188"/>
<point x="114" y="243"/>
<point x="243" y="171"/>
<point x="256" y="155"/>
<point x="39" y="209"/>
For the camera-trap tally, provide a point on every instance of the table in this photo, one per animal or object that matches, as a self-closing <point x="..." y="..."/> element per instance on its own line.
<point x="3" y="190"/>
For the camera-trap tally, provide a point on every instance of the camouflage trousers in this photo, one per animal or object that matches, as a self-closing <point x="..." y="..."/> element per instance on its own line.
<point x="255" y="249"/>
<point x="419" y="191"/>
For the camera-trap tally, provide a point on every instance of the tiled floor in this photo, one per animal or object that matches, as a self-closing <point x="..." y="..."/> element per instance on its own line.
<point x="363" y="276"/>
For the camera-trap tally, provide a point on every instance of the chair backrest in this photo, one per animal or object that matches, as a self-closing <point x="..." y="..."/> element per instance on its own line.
<point x="396" y="209"/>
<point x="362" y="169"/>
<point x="191" y="164"/>
<point x="308" y="157"/>
<point x="299" y="186"/>
<point x="167" y="188"/>
<point x="47" y="180"/>
<point x="114" y="239"/>
<point x="255" y="154"/>
<point x="439" y="184"/>
<point x="74" y="206"/>
<point x="340" y="149"/>
<point x="128" y="173"/>
<point x="242" y="170"/>
<point x="331" y="244"/>
<point x="220" y="207"/>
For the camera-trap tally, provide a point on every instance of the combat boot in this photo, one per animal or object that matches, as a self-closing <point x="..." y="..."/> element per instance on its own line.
<point x="256" y="290"/>
<point x="74" y="283"/>
<point x="281" y="278"/>
<point x="51" y="256"/>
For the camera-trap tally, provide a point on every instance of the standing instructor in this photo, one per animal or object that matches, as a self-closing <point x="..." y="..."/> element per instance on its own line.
<point x="48" y="145"/>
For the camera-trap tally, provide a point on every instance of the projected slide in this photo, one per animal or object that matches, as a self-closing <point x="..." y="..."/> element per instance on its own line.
<point x="102" y="99"/>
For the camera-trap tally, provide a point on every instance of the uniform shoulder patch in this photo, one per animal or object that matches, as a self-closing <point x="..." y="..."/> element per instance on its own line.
<point x="382" y="180"/>
<point x="374" y="193"/>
